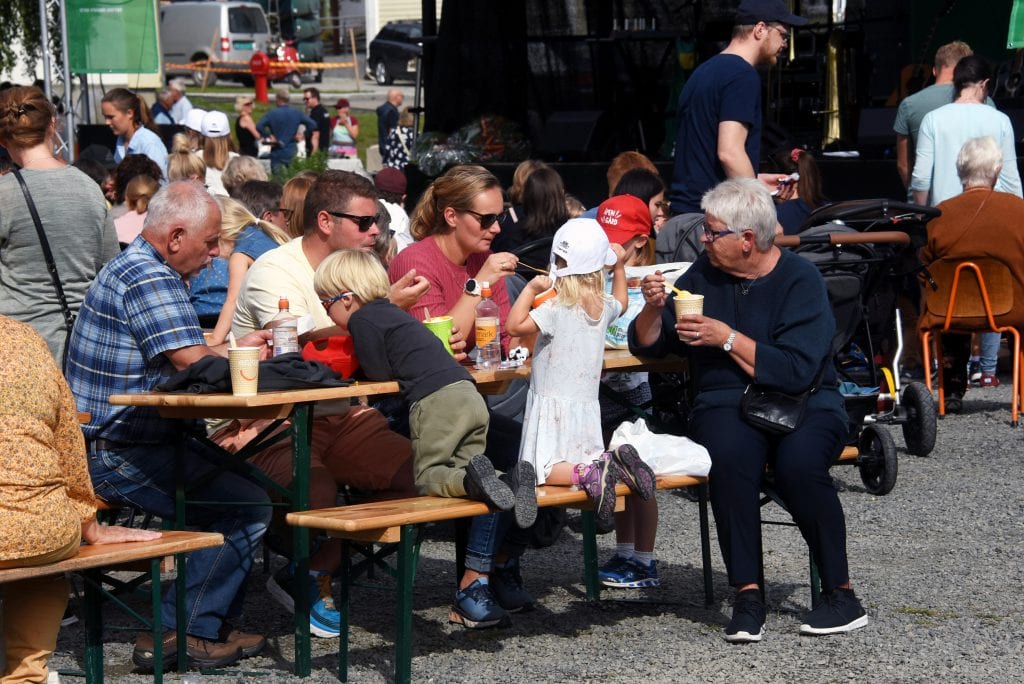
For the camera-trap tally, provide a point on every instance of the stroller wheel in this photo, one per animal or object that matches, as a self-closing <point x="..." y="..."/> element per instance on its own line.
<point x="877" y="460"/>
<point x="919" y="426"/>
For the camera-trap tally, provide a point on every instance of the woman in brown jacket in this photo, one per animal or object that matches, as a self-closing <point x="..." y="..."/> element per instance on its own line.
<point x="979" y="222"/>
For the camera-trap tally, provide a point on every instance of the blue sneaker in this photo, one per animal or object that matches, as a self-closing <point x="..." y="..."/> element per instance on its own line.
<point x="475" y="607"/>
<point x="507" y="588"/>
<point x="324" y="617"/>
<point x="631" y="575"/>
<point x="612" y="567"/>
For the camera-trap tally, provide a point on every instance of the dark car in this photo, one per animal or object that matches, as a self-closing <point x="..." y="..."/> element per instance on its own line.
<point x="392" y="54"/>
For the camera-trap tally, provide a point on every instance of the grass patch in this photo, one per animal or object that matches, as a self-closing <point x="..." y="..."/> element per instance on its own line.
<point x="367" y="118"/>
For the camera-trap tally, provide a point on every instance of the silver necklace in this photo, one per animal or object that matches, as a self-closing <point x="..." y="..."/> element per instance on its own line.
<point x="747" y="284"/>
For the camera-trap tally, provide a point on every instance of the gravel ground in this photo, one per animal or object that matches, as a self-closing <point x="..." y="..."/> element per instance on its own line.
<point x="934" y="562"/>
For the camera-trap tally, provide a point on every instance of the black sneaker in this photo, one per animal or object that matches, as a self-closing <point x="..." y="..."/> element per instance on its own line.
<point x="522" y="480"/>
<point x="748" y="616"/>
<point x="482" y="484"/>
<point x="507" y="587"/>
<point x="838" y="612"/>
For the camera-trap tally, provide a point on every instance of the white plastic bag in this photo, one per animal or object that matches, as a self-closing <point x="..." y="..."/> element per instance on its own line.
<point x="665" y="454"/>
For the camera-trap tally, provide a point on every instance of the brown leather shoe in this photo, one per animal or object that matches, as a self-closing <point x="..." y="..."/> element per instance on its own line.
<point x="202" y="653"/>
<point x="251" y="644"/>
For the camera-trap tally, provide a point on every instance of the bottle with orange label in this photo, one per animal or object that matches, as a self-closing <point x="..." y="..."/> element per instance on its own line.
<point x="488" y="341"/>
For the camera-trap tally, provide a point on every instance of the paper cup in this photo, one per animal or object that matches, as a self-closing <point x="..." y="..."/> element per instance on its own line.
<point x="689" y="304"/>
<point x="245" y="370"/>
<point x="693" y="304"/>
<point x="441" y="326"/>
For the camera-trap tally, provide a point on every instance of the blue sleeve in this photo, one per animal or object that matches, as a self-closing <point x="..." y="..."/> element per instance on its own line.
<point x="261" y="124"/>
<point x="370" y="348"/>
<point x="801" y="335"/>
<point x="160" y="316"/>
<point x="309" y="123"/>
<point x="1009" y="176"/>
<point x="254" y="243"/>
<point x="921" y="178"/>
<point x="740" y="99"/>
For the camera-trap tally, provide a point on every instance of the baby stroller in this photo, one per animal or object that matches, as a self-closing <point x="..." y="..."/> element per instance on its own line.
<point x="859" y="270"/>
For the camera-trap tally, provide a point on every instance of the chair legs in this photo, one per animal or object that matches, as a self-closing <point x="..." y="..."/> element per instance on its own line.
<point x="1017" y="361"/>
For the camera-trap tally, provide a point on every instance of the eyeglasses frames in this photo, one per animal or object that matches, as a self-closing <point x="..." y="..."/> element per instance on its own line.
<point x="363" y="222"/>
<point x="711" y="235"/>
<point x="783" y="31"/>
<point x="329" y="302"/>
<point x="486" y="220"/>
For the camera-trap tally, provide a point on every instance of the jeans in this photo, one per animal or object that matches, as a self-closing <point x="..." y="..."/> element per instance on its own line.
<point x="144" y="477"/>
<point x="989" y="343"/>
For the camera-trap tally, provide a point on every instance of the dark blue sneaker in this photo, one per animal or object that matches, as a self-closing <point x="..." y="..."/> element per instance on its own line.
<point x="839" y="611"/>
<point x="475" y="607"/>
<point x="631" y="575"/>
<point x="507" y="587"/>
<point x="748" y="618"/>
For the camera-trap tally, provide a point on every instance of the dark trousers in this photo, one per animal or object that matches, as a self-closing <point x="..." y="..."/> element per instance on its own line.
<point x="801" y="462"/>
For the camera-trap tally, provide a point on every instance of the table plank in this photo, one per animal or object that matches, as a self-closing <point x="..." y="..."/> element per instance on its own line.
<point x="105" y="555"/>
<point x="279" y="404"/>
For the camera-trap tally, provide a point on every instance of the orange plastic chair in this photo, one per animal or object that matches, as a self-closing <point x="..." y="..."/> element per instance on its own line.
<point x="971" y="296"/>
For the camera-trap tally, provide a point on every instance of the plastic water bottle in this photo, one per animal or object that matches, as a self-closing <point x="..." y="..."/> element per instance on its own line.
<point x="286" y="329"/>
<point x="488" y="343"/>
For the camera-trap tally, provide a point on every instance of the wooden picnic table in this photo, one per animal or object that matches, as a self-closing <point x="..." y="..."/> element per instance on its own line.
<point x="297" y="405"/>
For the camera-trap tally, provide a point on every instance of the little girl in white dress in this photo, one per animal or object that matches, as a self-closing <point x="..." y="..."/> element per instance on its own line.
<point x="562" y="426"/>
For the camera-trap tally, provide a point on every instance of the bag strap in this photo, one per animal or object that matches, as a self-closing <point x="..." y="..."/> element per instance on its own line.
<point x="51" y="266"/>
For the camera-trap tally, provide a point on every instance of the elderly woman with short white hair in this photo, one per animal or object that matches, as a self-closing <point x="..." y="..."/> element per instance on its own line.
<point x="979" y="222"/>
<point x="766" y="321"/>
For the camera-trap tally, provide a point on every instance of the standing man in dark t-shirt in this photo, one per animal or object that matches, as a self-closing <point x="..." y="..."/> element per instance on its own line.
<point x="387" y="116"/>
<point x="319" y="114"/>
<point x="719" y="129"/>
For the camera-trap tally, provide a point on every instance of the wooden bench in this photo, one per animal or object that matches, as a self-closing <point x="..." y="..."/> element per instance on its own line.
<point x="396" y="521"/>
<point x="92" y="561"/>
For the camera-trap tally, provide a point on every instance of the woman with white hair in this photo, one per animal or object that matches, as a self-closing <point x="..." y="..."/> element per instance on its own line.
<point x="979" y="222"/>
<point x="766" y="320"/>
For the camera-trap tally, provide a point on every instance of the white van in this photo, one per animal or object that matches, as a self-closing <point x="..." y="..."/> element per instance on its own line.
<point x="233" y="29"/>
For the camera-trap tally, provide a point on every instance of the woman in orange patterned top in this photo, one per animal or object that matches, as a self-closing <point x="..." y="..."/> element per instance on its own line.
<point x="47" y="506"/>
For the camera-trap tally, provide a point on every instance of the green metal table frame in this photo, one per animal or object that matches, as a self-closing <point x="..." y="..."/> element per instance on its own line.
<point x="408" y="556"/>
<point x="296" y="499"/>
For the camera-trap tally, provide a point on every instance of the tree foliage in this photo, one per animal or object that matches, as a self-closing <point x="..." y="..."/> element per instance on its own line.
<point x="20" y="34"/>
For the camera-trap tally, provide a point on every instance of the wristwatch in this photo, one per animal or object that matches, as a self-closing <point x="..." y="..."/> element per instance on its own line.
<point x="473" y="287"/>
<point x="728" y="342"/>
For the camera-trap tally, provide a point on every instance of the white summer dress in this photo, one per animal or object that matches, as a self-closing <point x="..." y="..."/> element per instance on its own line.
<point x="562" y="419"/>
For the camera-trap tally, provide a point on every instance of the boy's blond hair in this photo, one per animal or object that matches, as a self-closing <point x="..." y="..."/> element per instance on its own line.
<point x="352" y="270"/>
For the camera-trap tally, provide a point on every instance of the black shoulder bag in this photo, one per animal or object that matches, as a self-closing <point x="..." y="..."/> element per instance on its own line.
<point x="773" y="411"/>
<point x="51" y="266"/>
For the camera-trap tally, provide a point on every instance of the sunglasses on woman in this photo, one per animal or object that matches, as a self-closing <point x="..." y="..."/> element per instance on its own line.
<point x="486" y="220"/>
<point x="362" y="222"/>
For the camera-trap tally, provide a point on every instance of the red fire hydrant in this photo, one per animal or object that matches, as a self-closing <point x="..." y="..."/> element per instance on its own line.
<point x="259" y="65"/>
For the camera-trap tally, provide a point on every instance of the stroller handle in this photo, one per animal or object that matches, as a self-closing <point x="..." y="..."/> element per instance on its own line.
<point x="844" y="238"/>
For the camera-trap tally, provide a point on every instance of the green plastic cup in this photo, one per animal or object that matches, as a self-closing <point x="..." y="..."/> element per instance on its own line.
<point x="441" y="326"/>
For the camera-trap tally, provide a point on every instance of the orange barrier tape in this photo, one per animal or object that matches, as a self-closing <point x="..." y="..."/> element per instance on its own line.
<point x="202" y="66"/>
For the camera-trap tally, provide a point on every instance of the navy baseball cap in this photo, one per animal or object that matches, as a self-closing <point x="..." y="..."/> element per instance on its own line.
<point x="753" y="11"/>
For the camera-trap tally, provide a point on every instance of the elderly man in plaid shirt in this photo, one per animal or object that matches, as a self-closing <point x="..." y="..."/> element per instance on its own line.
<point x="135" y="328"/>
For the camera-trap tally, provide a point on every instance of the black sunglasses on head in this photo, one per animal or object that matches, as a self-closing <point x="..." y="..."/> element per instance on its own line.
<point x="486" y="220"/>
<point x="363" y="222"/>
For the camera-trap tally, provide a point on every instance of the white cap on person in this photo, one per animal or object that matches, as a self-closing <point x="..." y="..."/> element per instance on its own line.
<point x="194" y="119"/>
<point x="215" y="124"/>
<point x="581" y="242"/>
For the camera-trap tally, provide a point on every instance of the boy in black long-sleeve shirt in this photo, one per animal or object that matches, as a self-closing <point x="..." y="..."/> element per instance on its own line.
<point x="447" y="418"/>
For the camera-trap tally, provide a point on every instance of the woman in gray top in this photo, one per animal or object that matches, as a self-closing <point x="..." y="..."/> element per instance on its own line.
<point x="73" y="213"/>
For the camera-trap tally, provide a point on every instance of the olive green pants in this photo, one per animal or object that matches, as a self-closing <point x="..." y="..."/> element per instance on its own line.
<point x="448" y="427"/>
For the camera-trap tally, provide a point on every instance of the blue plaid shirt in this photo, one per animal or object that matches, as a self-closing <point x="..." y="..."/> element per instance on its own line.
<point x="135" y="310"/>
